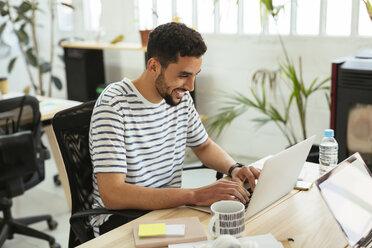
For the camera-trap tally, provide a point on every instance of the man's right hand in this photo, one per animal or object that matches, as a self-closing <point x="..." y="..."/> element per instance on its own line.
<point x="220" y="190"/>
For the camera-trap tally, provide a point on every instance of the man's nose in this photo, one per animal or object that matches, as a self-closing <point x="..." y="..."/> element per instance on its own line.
<point x="190" y="84"/>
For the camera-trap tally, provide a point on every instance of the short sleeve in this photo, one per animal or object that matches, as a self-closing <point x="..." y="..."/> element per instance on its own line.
<point x="106" y="140"/>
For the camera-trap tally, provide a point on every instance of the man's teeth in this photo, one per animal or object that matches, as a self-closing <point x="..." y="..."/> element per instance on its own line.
<point x="180" y="93"/>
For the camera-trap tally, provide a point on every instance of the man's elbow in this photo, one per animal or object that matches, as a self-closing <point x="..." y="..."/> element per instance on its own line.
<point x="112" y="199"/>
<point x="110" y="203"/>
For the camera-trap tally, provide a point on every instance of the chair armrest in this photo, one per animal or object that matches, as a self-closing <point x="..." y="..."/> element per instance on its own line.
<point x="129" y="213"/>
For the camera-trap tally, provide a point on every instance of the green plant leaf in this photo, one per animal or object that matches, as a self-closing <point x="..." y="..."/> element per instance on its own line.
<point x="261" y="121"/>
<point x="22" y="17"/>
<point x="24" y="7"/>
<point x="260" y="104"/>
<point x="31" y="59"/>
<point x="2" y="27"/>
<point x="68" y="5"/>
<point x="268" y="5"/>
<point x="4" y="12"/>
<point x="369" y="8"/>
<point x="22" y="36"/>
<point x="310" y="89"/>
<point x="275" y="115"/>
<point x="321" y="85"/>
<point x="11" y="64"/>
<point x="57" y="82"/>
<point x="226" y="115"/>
<point x="45" y="67"/>
<point x="328" y="98"/>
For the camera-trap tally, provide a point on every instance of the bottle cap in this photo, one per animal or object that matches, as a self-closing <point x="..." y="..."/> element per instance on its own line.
<point x="328" y="133"/>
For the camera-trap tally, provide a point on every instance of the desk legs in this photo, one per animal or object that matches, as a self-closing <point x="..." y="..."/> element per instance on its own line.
<point x="59" y="162"/>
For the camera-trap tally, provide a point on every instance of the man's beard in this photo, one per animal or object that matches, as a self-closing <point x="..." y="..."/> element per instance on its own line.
<point x="161" y="87"/>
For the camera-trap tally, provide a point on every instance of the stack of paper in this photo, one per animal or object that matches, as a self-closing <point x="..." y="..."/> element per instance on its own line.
<point x="160" y="229"/>
<point x="263" y="241"/>
<point x="160" y="233"/>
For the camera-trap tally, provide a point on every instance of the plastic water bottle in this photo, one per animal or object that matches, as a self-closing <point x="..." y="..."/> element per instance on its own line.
<point x="328" y="152"/>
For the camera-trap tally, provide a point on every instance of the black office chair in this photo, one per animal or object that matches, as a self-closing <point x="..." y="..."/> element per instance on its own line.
<point x="71" y="127"/>
<point x="21" y="165"/>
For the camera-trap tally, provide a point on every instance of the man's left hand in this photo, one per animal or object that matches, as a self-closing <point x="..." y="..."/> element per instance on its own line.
<point x="244" y="173"/>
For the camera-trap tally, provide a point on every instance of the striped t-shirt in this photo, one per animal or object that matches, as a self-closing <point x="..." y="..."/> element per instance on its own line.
<point x="145" y="141"/>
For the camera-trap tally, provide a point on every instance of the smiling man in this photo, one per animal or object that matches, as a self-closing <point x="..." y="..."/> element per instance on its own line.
<point x="141" y="128"/>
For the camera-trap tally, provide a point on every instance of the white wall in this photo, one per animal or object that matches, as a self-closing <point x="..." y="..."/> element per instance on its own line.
<point x="228" y="65"/>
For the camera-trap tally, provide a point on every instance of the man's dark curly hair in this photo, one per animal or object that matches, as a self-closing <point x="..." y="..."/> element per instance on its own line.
<point x="170" y="39"/>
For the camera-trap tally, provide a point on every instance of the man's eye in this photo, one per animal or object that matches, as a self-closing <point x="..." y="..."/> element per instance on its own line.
<point x="184" y="76"/>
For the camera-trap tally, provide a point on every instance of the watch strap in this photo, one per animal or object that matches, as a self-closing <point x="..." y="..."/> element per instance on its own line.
<point x="233" y="167"/>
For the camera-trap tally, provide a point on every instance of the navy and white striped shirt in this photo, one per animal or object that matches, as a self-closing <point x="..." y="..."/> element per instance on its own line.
<point x="145" y="141"/>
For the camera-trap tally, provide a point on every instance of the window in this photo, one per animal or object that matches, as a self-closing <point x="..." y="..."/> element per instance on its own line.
<point x="184" y="11"/>
<point x="338" y="20"/>
<point x="65" y="16"/>
<point x="298" y="17"/>
<point x="308" y="17"/>
<point x="164" y="11"/>
<point x="145" y="14"/>
<point x="205" y="16"/>
<point x="228" y="16"/>
<point x="251" y="17"/>
<point x="92" y="16"/>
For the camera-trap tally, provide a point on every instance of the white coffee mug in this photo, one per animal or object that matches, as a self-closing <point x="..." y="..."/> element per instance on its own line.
<point x="227" y="218"/>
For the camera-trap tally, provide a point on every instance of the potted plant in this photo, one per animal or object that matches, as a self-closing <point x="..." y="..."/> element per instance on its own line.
<point x="145" y="32"/>
<point x="275" y="108"/>
<point x="22" y="20"/>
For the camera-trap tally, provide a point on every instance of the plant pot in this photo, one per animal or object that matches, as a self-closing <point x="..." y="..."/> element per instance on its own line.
<point x="314" y="154"/>
<point x="145" y="37"/>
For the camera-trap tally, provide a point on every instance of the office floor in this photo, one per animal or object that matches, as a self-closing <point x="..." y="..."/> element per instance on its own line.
<point x="46" y="198"/>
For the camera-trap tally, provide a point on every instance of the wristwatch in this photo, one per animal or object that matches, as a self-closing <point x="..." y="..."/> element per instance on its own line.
<point x="233" y="167"/>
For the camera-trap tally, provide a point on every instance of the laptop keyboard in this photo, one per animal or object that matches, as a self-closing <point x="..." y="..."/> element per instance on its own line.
<point x="367" y="242"/>
<point x="248" y="188"/>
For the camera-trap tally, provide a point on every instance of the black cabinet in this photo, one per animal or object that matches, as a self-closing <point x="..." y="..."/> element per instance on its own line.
<point x="84" y="73"/>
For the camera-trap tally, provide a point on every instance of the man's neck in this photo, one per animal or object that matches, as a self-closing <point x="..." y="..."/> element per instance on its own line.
<point x="145" y="84"/>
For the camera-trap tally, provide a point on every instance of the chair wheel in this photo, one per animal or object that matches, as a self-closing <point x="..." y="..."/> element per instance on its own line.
<point x="55" y="245"/>
<point x="56" y="180"/>
<point x="52" y="224"/>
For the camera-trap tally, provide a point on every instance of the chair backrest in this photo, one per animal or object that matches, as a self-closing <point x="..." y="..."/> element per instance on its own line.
<point x="71" y="127"/>
<point x="21" y="158"/>
<point x="20" y="113"/>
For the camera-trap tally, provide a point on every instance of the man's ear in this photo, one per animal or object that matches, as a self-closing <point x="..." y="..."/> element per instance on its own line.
<point x="154" y="66"/>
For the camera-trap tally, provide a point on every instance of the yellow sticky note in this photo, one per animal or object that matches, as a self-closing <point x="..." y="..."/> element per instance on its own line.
<point x="149" y="230"/>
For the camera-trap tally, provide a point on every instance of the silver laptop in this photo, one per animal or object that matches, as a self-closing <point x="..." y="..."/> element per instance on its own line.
<point x="278" y="177"/>
<point x="347" y="191"/>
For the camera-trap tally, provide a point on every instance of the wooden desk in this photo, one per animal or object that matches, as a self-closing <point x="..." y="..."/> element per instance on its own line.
<point x="301" y="215"/>
<point x="48" y="108"/>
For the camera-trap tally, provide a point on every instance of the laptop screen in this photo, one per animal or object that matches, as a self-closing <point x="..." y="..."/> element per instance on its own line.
<point x="347" y="191"/>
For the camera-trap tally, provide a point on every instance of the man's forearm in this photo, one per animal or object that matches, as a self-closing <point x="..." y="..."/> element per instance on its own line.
<point x="138" y="197"/>
<point x="214" y="157"/>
